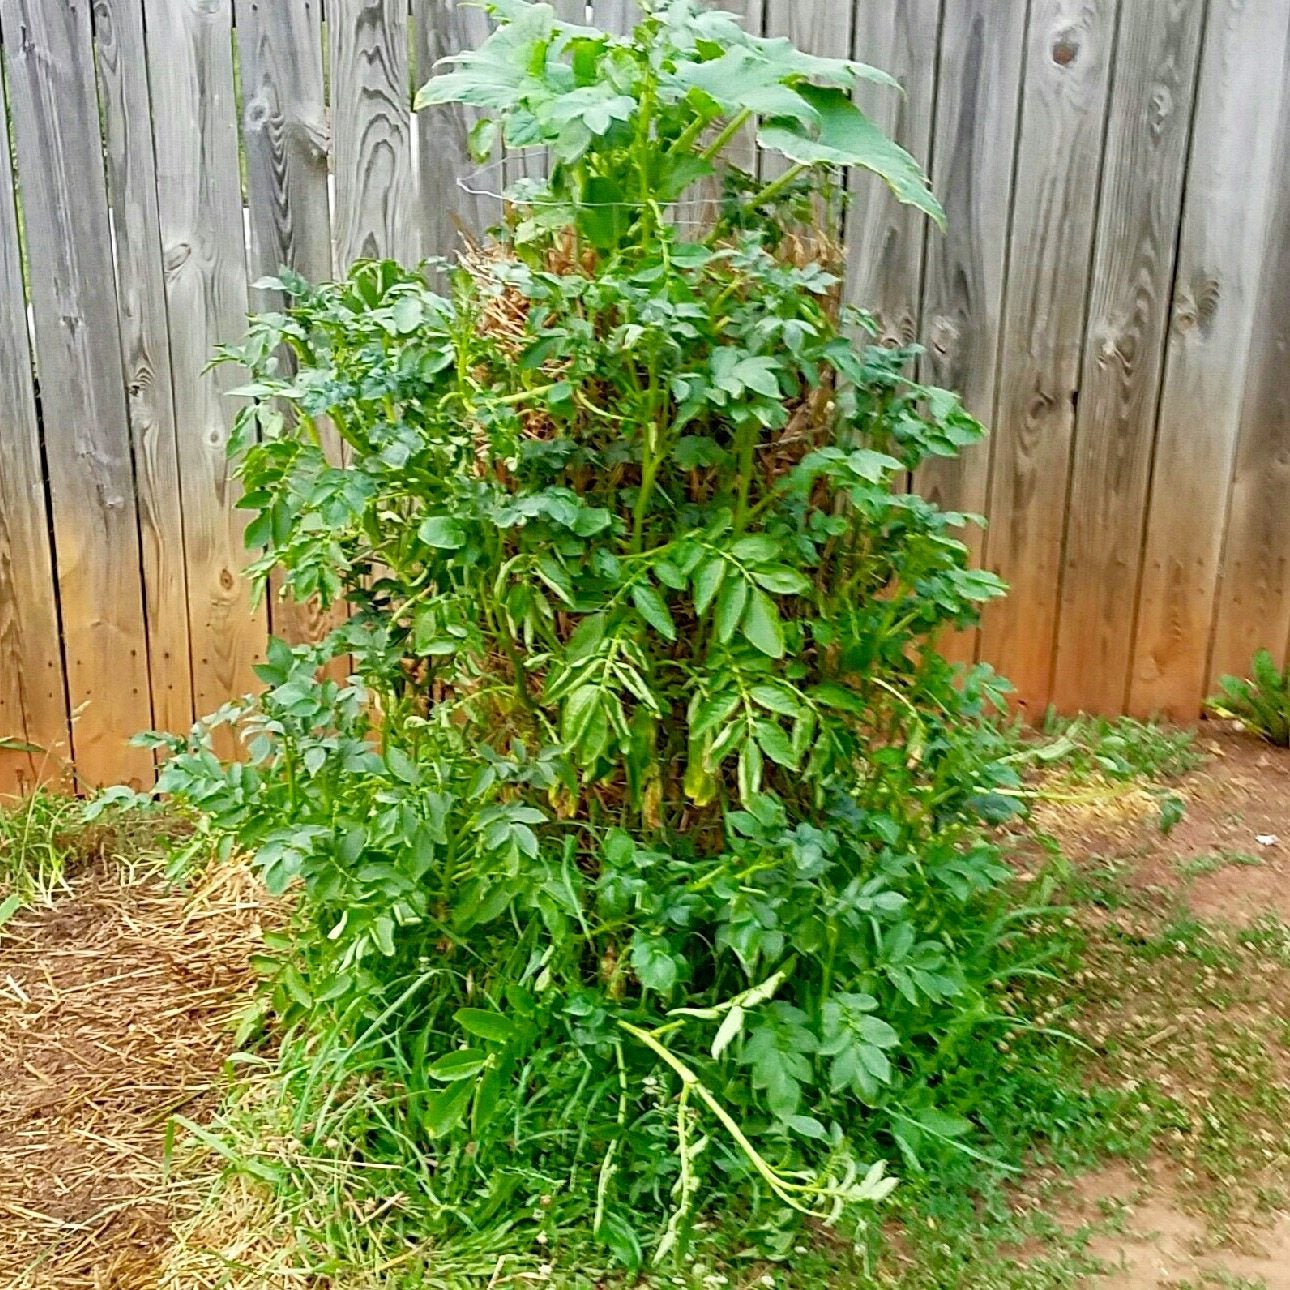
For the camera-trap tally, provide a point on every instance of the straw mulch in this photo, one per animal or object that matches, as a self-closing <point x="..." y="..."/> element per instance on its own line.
<point x="115" y="1012"/>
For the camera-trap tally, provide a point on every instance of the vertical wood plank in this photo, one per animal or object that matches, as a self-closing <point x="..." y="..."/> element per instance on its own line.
<point x="1231" y="195"/>
<point x="371" y="130"/>
<point x="78" y="360"/>
<point x="1253" y="605"/>
<point x="284" y="124"/>
<point x="884" y="238"/>
<point x="974" y="135"/>
<point x="199" y="202"/>
<point x="973" y="143"/>
<point x="1067" y="74"/>
<point x="618" y="16"/>
<point x="442" y="28"/>
<point x="1150" y="113"/>
<point x="145" y="352"/>
<point x="33" y="704"/>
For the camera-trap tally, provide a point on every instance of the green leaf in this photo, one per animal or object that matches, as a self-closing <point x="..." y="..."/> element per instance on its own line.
<point x="446" y="1107"/>
<point x="442" y="531"/>
<point x="761" y="625"/>
<point x="653" y="609"/>
<point x="707" y="578"/>
<point x="485" y="1025"/>
<point x="458" y="1065"/>
<point x="730" y="1026"/>
<point x="775" y="744"/>
<point x="730" y="608"/>
<point x="846" y="137"/>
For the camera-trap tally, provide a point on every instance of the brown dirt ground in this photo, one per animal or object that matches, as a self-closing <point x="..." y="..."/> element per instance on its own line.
<point x="115" y="1007"/>
<point x="1228" y="862"/>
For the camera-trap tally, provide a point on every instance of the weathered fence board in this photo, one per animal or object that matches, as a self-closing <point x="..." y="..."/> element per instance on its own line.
<point x="371" y="129"/>
<point x="78" y="363"/>
<point x="1141" y="197"/>
<point x="447" y="206"/>
<point x="973" y="150"/>
<point x="1112" y="295"/>
<point x="204" y="258"/>
<point x="1063" y="112"/>
<point x="901" y="37"/>
<point x="33" y="703"/>
<point x="145" y="351"/>
<point x="1231" y="193"/>
<point x="1253" y="609"/>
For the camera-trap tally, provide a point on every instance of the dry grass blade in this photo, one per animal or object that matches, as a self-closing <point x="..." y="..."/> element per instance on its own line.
<point x="115" y="1007"/>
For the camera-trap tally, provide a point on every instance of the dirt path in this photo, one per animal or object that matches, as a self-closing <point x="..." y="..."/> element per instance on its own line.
<point x="1214" y="1209"/>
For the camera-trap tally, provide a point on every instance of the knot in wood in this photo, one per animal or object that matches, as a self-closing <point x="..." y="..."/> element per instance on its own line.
<point x="1065" y="49"/>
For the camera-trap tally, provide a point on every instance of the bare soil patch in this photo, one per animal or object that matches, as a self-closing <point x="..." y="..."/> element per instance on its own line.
<point x="1230" y="855"/>
<point x="115" y="1010"/>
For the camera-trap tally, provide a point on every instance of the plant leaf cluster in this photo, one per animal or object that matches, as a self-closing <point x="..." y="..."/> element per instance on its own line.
<point x="643" y="857"/>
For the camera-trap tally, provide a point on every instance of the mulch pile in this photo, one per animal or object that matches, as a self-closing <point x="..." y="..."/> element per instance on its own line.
<point x="115" y="1013"/>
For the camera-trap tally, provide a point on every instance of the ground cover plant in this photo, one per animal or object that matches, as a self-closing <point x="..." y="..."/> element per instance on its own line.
<point x="1260" y="702"/>
<point x="642" y="865"/>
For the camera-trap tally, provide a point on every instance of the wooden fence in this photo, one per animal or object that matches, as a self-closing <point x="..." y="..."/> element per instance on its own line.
<point x="1112" y="295"/>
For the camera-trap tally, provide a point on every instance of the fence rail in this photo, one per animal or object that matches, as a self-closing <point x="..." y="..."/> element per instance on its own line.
<point x="1112" y="295"/>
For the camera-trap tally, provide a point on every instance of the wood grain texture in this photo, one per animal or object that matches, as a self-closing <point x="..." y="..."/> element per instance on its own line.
<point x="204" y="256"/>
<point x="284" y="126"/>
<point x="973" y="142"/>
<point x="885" y="239"/>
<point x="1231" y="196"/>
<point x="33" y="704"/>
<point x="445" y="171"/>
<point x="78" y="360"/>
<point x="1067" y="75"/>
<point x="618" y="16"/>
<point x="974" y="135"/>
<point x="145" y="351"/>
<point x="371" y="130"/>
<point x="1140" y="204"/>
<point x="1253" y="607"/>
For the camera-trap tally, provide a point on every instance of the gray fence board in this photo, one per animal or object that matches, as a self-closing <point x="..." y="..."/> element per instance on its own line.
<point x="1063" y="113"/>
<point x="1141" y="197"/>
<point x="33" y="705"/>
<point x="78" y="362"/>
<point x="145" y="351"/>
<point x="204" y="257"/>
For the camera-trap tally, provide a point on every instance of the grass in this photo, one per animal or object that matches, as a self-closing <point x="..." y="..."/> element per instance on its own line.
<point x="1213" y="862"/>
<point x="1178" y="1056"/>
<point x="36" y="843"/>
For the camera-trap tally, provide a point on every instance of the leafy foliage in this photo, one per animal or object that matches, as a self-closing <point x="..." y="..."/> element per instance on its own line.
<point x="1260" y="703"/>
<point x="642" y="858"/>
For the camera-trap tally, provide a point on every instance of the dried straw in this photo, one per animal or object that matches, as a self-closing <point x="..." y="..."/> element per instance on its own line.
<point x="115" y="1012"/>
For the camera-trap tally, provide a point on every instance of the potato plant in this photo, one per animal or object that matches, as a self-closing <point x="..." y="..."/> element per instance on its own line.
<point x="643" y="861"/>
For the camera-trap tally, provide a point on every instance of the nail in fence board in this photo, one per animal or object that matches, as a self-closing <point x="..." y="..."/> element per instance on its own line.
<point x="145" y="351"/>
<point x="78" y="361"/>
<point x="371" y="130"/>
<point x="1063" y="115"/>
<point x="204" y="253"/>
<point x="1133" y="263"/>
<point x="33" y="707"/>
<point x="1231" y="198"/>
